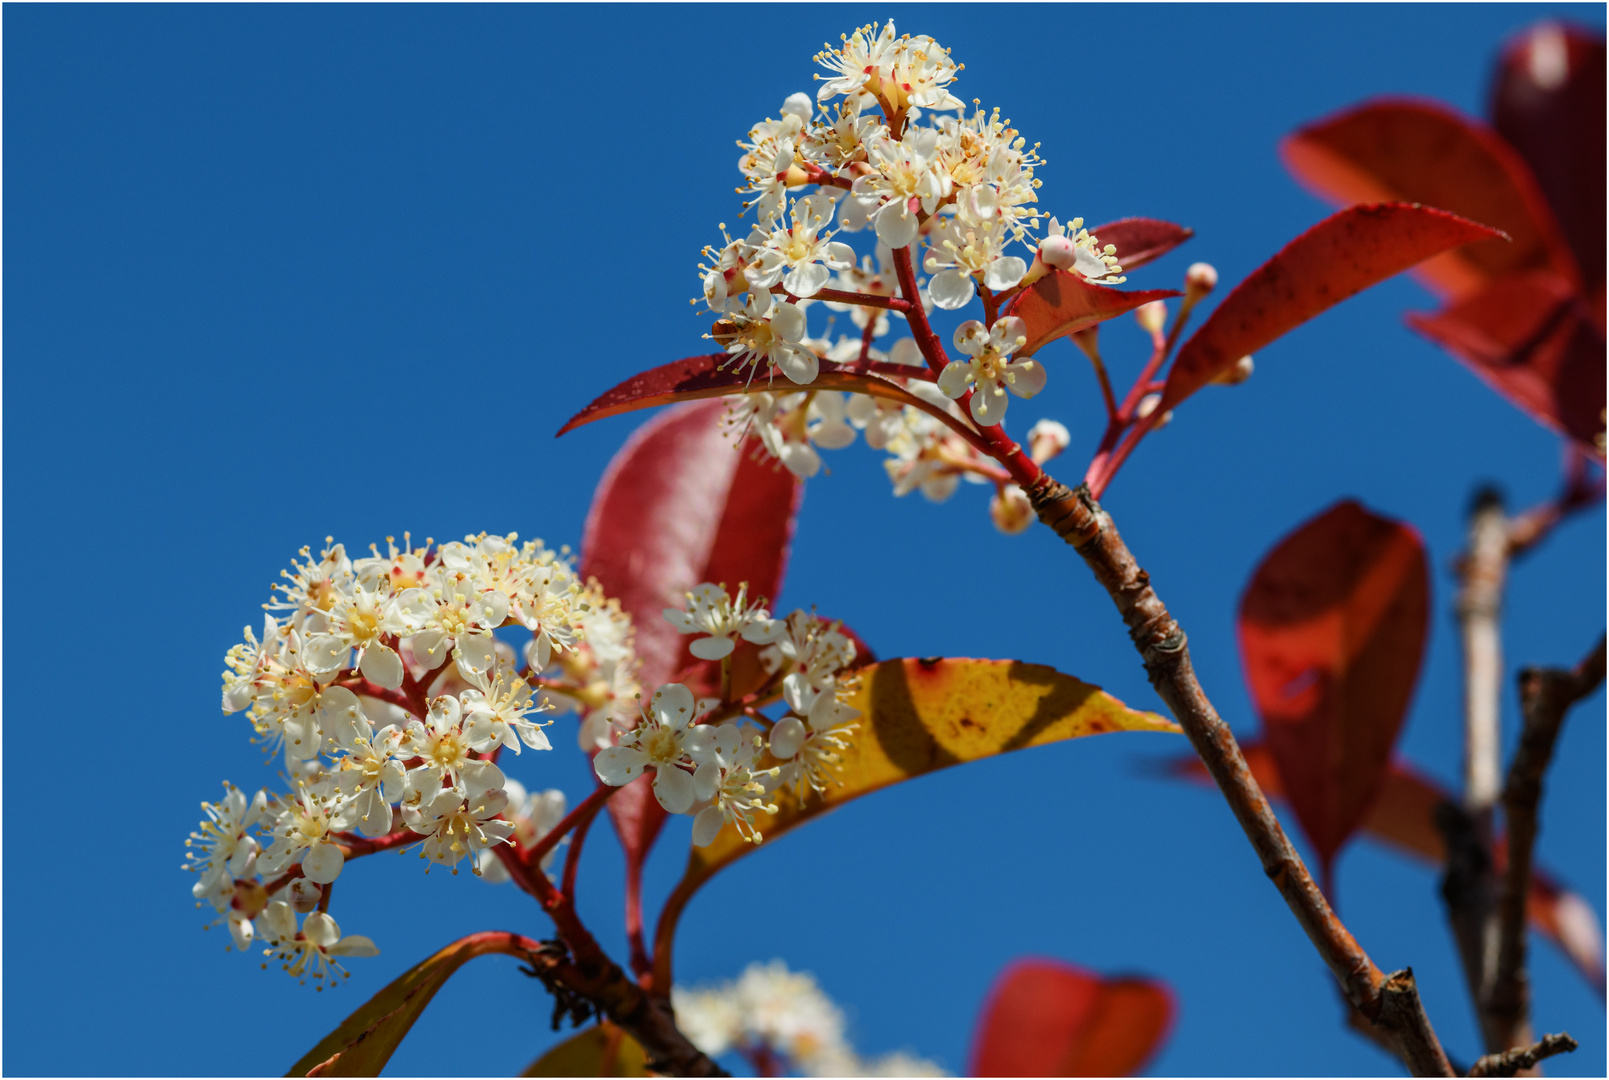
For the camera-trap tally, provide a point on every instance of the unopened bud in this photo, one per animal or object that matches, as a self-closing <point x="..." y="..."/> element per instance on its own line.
<point x="305" y="895"/>
<point x="1236" y="373"/>
<point x="1148" y="405"/>
<point x="1152" y="317"/>
<point x="799" y="105"/>
<point x="1058" y="251"/>
<point x="1046" y="439"/>
<point x="1199" y="280"/>
<point x="1011" y="510"/>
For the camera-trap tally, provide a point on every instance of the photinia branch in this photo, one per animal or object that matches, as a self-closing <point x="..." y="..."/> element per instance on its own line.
<point x="1512" y="1062"/>
<point x="1545" y="696"/>
<point x="1389" y="1002"/>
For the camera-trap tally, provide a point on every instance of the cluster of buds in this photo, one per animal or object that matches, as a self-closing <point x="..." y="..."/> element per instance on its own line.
<point x="723" y="760"/>
<point x="384" y="685"/>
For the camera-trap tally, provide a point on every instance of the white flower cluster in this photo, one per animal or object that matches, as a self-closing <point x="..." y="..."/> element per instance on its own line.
<point x="385" y="743"/>
<point x="962" y="184"/>
<point x="712" y="766"/>
<point x="770" y="1011"/>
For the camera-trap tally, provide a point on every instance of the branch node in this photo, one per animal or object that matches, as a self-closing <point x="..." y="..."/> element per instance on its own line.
<point x="1510" y="1062"/>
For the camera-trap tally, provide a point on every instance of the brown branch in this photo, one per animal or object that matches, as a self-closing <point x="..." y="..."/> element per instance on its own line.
<point x="1391" y="1003"/>
<point x="1545" y="696"/>
<point x="1510" y="1062"/>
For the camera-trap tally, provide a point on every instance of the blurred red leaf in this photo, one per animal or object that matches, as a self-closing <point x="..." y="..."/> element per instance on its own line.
<point x="1337" y="258"/>
<point x="1141" y="240"/>
<point x="698" y="377"/>
<point x="1533" y="340"/>
<point x="1332" y="631"/>
<point x="1047" y="1018"/>
<point x="678" y="505"/>
<point x="1060" y="303"/>
<point x="1548" y="103"/>
<point x="1403" y="816"/>
<point x="1423" y="152"/>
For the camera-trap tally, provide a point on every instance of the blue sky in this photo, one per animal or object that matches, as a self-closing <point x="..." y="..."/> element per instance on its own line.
<point x="274" y="273"/>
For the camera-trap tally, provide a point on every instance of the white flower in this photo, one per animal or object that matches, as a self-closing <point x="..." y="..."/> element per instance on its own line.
<point x="358" y="620"/>
<point x="370" y="776"/>
<point x="901" y="72"/>
<point x="960" y="253"/>
<point x="1046" y="439"/>
<point x="904" y="170"/>
<point x="763" y="334"/>
<point x="726" y="778"/>
<point x="460" y="822"/>
<point x="456" y="620"/>
<point x="989" y="370"/>
<point x="313" y="950"/>
<point x="1073" y="248"/>
<point x="658" y="743"/>
<point x="238" y="901"/>
<point x="808" y="742"/>
<point x="712" y="612"/>
<point x="305" y="831"/>
<point x="811" y="649"/>
<point x="799" y="255"/>
<point x="498" y="712"/>
<point x="225" y="851"/>
<point x="767" y="1006"/>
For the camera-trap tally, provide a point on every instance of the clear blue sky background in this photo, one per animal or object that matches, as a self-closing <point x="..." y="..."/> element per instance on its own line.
<point x="273" y="273"/>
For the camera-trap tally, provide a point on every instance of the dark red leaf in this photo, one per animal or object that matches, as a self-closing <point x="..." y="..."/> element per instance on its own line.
<point x="1332" y="631"/>
<point x="678" y="505"/>
<point x="1047" y="1018"/>
<point x="1060" y="303"/>
<point x="698" y="377"/>
<point x="1423" y="152"/>
<point x="1548" y="102"/>
<point x="1337" y="258"/>
<point x="1140" y="240"/>
<point x="1533" y="340"/>
<point x="1402" y="816"/>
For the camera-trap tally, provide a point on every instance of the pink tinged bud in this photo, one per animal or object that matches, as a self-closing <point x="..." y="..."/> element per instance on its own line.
<point x="1199" y="280"/>
<point x="1148" y="405"/>
<point x="304" y="895"/>
<point x="1152" y="317"/>
<point x="1236" y="374"/>
<point x="1010" y="509"/>
<point x="1058" y="251"/>
<point x="1046" y="439"/>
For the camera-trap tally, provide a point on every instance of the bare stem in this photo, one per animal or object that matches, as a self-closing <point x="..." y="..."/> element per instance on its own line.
<point x="1389" y="1002"/>
<point x="1510" y="1062"/>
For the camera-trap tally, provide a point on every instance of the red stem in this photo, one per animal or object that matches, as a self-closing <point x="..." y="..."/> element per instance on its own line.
<point x="359" y="685"/>
<point x="642" y="965"/>
<point x="572" y="858"/>
<point x="587" y="809"/>
<point x="838" y="296"/>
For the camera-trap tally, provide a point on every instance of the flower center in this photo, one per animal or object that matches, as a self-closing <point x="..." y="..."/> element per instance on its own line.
<point x="662" y="747"/>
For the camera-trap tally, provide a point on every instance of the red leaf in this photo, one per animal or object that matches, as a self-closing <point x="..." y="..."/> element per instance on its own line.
<point x="1423" y="152"/>
<point x="1140" y="240"/>
<point x="1332" y="632"/>
<point x="1047" y="1018"/>
<point x="679" y="505"/>
<point x="1337" y="258"/>
<point x="1403" y="816"/>
<point x="1548" y="102"/>
<point x="1532" y="339"/>
<point x="698" y="377"/>
<point x="1060" y="303"/>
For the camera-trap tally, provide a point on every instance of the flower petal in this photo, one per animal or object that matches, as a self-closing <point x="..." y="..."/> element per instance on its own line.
<point x="673" y="788"/>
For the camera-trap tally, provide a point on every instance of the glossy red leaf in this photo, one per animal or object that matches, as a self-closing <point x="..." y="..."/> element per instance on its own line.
<point x="1423" y="152"/>
<point x="1047" y="1018"/>
<point x="1548" y="103"/>
<point x="1141" y="240"/>
<point x="1060" y="303"/>
<point x="1403" y="816"/>
<point x="678" y="505"/>
<point x="1335" y="259"/>
<point x="1533" y="340"/>
<point x="699" y="377"/>
<point x="1332" y="631"/>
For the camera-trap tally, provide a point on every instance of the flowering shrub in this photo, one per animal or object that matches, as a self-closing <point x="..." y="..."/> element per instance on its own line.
<point x="387" y="687"/>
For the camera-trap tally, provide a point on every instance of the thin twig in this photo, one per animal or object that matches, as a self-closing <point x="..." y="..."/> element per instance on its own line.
<point x="1545" y="696"/>
<point x="1510" y="1062"/>
<point x="1390" y="1002"/>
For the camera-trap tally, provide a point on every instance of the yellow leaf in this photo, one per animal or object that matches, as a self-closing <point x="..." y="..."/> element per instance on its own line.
<point x="366" y="1040"/>
<point x="918" y="716"/>
<point x="604" y="1050"/>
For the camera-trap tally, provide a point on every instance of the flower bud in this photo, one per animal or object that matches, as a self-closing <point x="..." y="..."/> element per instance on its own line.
<point x="304" y="895"/>
<point x="1058" y="251"/>
<point x="1199" y="280"/>
<point x="1152" y="317"/>
<point x="1011" y="510"/>
<point x="1236" y="373"/>
<point x="1148" y="405"/>
<point x="1046" y="439"/>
